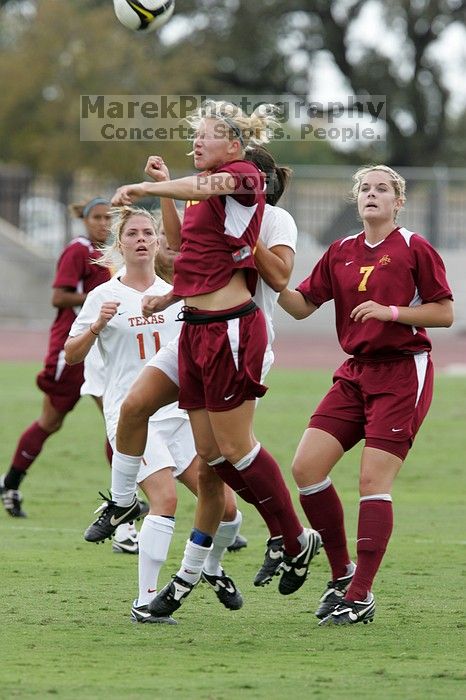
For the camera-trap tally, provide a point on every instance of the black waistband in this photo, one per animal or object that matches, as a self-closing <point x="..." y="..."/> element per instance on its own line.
<point x="189" y="314"/>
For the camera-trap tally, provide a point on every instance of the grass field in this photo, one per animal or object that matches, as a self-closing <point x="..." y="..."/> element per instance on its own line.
<point x="65" y="629"/>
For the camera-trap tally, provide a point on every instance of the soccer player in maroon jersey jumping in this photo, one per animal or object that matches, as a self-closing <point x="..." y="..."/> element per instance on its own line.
<point x="74" y="278"/>
<point x="223" y="338"/>
<point x="388" y="284"/>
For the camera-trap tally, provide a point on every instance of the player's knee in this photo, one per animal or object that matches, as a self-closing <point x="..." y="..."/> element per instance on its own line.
<point x="210" y="483"/>
<point x="207" y="453"/>
<point x="302" y="473"/>
<point x="135" y="408"/>
<point x="163" y="501"/>
<point x="54" y="425"/>
<point x="169" y="503"/>
<point x="234" y="452"/>
<point x="370" y="484"/>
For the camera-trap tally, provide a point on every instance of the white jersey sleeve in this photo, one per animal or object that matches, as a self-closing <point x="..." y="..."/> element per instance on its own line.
<point x="278" y="228"/>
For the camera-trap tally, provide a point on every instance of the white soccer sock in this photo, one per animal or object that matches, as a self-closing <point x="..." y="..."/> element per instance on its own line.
<point x="224" y="537"/>
<point x="193" y="562"/>
<point x="124" y="472"/>
<point x="154" y="542"/>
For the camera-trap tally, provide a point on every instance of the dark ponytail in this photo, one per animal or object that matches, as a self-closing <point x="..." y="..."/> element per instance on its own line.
<point x="277" y="177"/>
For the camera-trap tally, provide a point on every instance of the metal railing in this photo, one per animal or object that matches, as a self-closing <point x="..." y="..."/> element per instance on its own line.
<point x="318" y="198"/>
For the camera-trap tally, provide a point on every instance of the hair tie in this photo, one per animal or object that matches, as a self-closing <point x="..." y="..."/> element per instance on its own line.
<point x="234" y="127"/>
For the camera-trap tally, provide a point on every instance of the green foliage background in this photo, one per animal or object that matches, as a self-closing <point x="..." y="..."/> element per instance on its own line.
<point x="52" y="54"/>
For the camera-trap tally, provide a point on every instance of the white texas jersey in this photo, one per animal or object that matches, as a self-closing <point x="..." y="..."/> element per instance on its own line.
<point x="278" y="228"/>
<point x="128" y="341"/>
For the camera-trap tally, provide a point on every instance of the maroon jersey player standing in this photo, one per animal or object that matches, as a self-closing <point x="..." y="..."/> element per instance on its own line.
<point x="75" y="276"/>
<point x="388" y="284"/>
<point x="224" y="338"/>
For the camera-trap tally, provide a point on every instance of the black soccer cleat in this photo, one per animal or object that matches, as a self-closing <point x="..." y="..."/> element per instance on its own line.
<point x="170" y="597"/>
<point x="141" y="614"/>
<point x="295" y="569"/>
<point x="349" y="612"/>
<point x="238" y="543"/>
<point x="128" y="546"/>
<point x="272" y="561"/>
<point x="334" y="593"/>
<point x="110" y="517"/>
<point x="12" y="500"/>
<point x="225" y="590"/>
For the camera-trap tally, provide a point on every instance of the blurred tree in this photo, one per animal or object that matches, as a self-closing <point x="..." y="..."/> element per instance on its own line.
<point x="219" y="47"/>
<point x="48" y="58"/>
<point x="271" y="46"/>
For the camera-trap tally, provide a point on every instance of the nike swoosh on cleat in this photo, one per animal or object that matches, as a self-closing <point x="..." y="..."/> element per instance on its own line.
<point x="179" y="592"/>
<point x="275" y="555"/>
<point x="300" y="572"/>
<point x="116" y="521"/>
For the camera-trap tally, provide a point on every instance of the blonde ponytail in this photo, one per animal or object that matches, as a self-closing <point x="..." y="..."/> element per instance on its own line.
<point x="251" y="130"/>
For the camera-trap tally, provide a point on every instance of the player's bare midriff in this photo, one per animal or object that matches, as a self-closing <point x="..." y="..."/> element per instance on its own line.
<point x="233" y="294"/>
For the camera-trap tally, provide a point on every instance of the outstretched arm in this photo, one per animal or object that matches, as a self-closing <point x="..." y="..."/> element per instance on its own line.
<point x="295" y="304"/>
<point x="195" y="187"/>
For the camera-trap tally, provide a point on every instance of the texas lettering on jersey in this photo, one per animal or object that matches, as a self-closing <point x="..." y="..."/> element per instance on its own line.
<point x="141" y="321"/>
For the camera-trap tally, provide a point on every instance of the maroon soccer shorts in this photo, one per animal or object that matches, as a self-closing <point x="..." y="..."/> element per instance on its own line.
<point x="61" y="382"/>
<point x="220" y="359"/>
<point x="384" y="402"/>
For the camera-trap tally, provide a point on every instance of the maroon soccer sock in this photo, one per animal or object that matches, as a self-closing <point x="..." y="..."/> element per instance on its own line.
<point x="374" y="529"/>
<point x="233" y="478"/>
<point x="109" y="452"/>
<point x="265" y="480"/>
<point x="29" y="447"/>
<point x="325" y="514"/>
